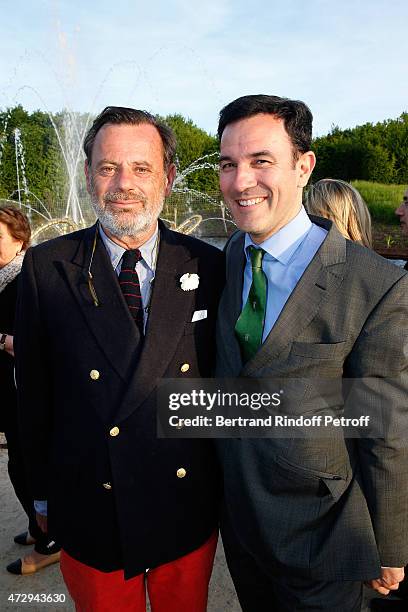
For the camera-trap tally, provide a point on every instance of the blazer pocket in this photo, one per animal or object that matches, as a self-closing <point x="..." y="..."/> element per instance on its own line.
<point x="318" y="351"/>
<point x="197" y="327"/>
<point x="335" y="483"/>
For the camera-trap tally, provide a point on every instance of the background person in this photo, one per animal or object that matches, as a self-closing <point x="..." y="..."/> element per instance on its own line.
<point x="15" y="235"/>
<point x="402" y="213"/>
<point x="400" y="605"/>
<point x="340" y="202"/>
<point x="108" y="313"/>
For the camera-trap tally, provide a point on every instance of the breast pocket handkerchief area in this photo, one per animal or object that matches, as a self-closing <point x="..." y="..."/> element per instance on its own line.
<point x="199" y="315"/>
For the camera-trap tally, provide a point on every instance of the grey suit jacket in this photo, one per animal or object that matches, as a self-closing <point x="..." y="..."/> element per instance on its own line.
<point x="324" y="508"/>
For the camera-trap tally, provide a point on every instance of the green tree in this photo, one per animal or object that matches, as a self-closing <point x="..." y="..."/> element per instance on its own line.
<point x="378" y="165"/>
<point x="192" y="144"/>
<point x="337" y="158"/>
<point x="369" y="152"/>
<point x="39" y="159"/>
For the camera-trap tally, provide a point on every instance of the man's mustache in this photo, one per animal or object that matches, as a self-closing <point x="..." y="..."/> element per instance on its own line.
<point x="115" y="196"/>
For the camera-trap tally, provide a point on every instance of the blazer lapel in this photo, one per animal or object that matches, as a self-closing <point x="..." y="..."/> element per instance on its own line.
<point x="170" y="309"/>
<point x="110" y="322"/>
<point x="324" y="273"/>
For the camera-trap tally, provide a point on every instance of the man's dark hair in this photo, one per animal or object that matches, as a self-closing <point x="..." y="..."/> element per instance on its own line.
<point x="120" y="115"/>
<point x="296" y="116"/>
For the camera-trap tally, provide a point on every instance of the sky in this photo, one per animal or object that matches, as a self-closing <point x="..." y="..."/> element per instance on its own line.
<point x="347" y="60"/>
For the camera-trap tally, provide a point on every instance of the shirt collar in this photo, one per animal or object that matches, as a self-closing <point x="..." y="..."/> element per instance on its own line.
<point x="285" y="242"/>
<point x="147" y="250"/>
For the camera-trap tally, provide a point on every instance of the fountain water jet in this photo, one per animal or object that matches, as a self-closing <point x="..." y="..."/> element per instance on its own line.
<point x="189" y="207"/>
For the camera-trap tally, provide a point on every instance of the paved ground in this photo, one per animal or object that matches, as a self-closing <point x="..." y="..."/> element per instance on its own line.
<point x="49" y="581"/>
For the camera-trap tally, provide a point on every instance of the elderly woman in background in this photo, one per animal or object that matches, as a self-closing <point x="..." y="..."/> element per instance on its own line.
<point x="341" y="203"/>
<point x="15" y="235"/>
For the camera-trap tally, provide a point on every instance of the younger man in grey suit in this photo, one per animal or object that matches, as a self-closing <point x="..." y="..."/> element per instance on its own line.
<point x="307" y="520"/>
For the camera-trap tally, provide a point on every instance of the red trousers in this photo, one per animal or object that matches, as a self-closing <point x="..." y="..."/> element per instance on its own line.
<point x="178" y="586"/>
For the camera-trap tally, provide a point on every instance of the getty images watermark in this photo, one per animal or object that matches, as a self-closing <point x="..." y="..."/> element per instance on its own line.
<point x="255" y="401"/>
<point x="214" y="408"/>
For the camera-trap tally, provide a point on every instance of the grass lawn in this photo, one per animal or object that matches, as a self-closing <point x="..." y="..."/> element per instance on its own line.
<point x="382" y="200"/>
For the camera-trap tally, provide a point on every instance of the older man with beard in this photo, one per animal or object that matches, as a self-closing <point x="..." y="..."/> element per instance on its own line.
<point x="103" y="315"/>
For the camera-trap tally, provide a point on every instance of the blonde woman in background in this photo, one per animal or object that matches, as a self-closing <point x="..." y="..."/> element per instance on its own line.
<point x="341" y="203"/>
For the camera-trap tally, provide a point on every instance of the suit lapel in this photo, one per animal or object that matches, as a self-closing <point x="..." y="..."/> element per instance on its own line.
<point x="236" y="269"/>
<point x="110" y="322"/>
<point x="229" y="353"/>
<point x="170" y="309"/>
<point x="324" y="273"/>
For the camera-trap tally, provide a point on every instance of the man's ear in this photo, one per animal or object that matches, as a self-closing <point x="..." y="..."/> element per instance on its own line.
<point x="305" y="165"/>
<point x="170" y="176"/>
<point x="87" y="171"/>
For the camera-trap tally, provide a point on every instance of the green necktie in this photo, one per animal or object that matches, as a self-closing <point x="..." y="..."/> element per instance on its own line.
<point x="250" y="324"/>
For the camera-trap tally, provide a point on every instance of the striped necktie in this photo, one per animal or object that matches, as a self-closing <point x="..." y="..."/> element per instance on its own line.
<point x="250" y="324"/>
<point x="129" y="283"/>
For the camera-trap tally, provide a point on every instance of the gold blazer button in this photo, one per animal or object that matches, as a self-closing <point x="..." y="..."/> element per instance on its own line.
<point x="181" y="472"/>
<point x="114" y="432"/>
<point x="185" y="367"/>
<point x="107" y="485"/>
<point x="94" y="374"/>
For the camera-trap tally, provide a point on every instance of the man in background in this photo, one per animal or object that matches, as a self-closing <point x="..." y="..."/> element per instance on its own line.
<point x="399" y="605"/>
<point x="103" y="315"/>
<point x="307" y="519"/>
<point x="402" y="214"/>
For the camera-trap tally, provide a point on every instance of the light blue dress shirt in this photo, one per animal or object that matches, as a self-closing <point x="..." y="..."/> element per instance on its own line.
<point x="145" y="268"/>
<point x="287" y="255"/>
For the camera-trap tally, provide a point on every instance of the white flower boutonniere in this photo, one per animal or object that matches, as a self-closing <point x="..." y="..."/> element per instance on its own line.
<point x="189" y="281"/>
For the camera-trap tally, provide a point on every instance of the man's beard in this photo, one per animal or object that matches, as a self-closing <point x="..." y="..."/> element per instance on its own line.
<point x="126" y="221"/>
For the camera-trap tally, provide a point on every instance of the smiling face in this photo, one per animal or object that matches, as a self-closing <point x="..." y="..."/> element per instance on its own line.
<point x="402" y="213"/>
<point x="260" y="180"/>
<point x="127" y="181"/>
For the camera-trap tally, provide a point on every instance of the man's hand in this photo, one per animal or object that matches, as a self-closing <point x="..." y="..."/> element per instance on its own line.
<point x="389" y="580"/>
<point x="42" y="523"/>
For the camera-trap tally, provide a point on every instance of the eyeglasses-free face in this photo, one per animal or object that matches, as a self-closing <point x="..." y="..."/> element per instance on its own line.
<point x="402" y="213"/>
<point x="9" y="246"/>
